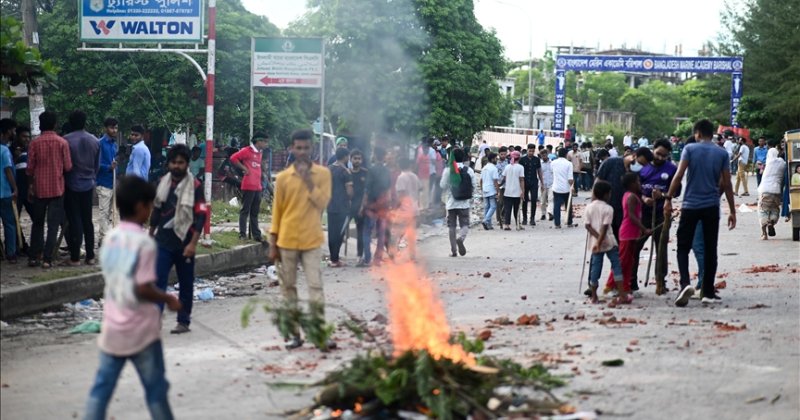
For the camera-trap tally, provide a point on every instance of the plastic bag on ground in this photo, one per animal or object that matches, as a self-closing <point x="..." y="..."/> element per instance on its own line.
<point x="86" y="327"/>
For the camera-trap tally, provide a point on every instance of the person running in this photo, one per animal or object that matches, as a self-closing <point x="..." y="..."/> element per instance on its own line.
<point x="339" y="205"/>
<point x="48" y="162"/>
<point x="131" y="328"/>
<point x="404" y="216"/>
<point x="707" y="165"/>
<point x="563" y="182"/>
<point x="248" y="160"/>
<point x="532" y="167"/>
<point x="490" y="187"/>
<point x="8" y="190"/>
<point x="302" y="192"/>
<point x="105" y="175"/>
<point x="598" y="217"/>
<point x="630" y="232"/>
<point x="177" y="220"/>
<point x="85" y="154"/>
<point x="742" y="158"/>
<point x="139" y="161"/>
<point x="769" y="190"/>
<point x="514" y="182"/>
<point x="547" y="182"/>
<point x="458" y="178"/>
<point x="375" y="207"/>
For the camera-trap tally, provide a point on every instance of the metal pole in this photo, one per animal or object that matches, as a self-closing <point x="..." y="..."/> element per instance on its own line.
<point x="322" y="108"/>
<point x="212" y="55"/>
<point x="252" y="66"/>
<point x="530" y="81"/>
<point x="31" y="27"/>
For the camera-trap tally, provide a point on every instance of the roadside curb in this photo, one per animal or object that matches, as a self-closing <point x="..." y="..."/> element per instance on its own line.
<point x="24" y="300"/>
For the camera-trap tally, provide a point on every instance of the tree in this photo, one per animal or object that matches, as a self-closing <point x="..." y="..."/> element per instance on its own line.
<point x="21" y="64"/>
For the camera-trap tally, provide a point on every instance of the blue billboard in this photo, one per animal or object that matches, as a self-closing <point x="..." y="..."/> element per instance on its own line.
<point x="141" y="21"/>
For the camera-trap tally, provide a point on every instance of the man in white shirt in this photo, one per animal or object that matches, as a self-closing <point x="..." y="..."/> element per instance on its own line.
<point x="729" y="145"/>
<point x="514" y="176"/>
<point x="610" y="138"/>
<point x="458" y="206"/>
<point x="628" y="139"/>
<point x="547" y="182"/>
<point x="743" y="158"/>
<point x="562" y="185"/>
<point x="490" y="184"/>
<point x="644" y="142"/>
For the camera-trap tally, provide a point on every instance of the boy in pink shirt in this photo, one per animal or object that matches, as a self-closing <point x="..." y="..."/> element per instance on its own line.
<point x="131" y="328"/>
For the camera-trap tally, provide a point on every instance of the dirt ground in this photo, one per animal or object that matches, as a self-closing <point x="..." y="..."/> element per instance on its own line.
<point x="736" y="360"/>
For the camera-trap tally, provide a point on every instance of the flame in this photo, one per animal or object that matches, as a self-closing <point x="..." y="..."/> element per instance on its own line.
<point x="416" y="316"/>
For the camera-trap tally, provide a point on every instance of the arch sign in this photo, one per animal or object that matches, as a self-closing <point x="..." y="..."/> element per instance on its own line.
<point x="646" y="64"/>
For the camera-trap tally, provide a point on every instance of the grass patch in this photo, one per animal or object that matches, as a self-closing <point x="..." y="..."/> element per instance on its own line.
<point x="223" y="212"/>
<point x="61" y="273"/>
<point x="223" y="241"/>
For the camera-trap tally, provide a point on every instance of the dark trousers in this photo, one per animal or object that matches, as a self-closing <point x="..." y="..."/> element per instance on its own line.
<point x="24" y="203"/>
<point x="462" y="217"/>
<point x="647" y="220"/>
<point x="336" y="233"/>
<point x="559" y="200"/>
<point x="686" y="230"/>
<point x="578" y="178"/>
<point x="78" y="206"/>
<point x="587" y="179"/>
<point x="184" y="269"/>
<point x="359" y="236"/>
<point x="53" y="210"/>
<point x="251" y="205"/>
<point x="531" y="195"/>
<point x="501" y="209"/>
<point x="510" y="205"/>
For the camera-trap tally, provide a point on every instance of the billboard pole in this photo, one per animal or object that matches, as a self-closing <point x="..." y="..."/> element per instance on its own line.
<point x="252" y="67"/>
<point x="322" y="108"/>
<point x="212" y="54"/>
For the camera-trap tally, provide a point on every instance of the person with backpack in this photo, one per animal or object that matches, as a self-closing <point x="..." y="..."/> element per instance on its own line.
<point x="459" y="179"/>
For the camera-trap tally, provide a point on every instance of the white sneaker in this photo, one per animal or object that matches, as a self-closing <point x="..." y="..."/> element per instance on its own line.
<point x="712" y="300"/>
<point x="683" y="297"/>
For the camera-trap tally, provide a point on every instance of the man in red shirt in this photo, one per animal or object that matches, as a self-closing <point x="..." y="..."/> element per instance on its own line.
<point x="48" y="160"/>
<point x="248" y="159"/>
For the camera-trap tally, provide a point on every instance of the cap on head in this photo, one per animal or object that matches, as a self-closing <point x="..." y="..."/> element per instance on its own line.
<point x="341" y="141"/>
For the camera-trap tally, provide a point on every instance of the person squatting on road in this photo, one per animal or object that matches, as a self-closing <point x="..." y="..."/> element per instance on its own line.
<point x="177" y="220"/>
<point x="458" y="178"/>
<point x="131" y="328"/>
<point x="248" y="160"/>
<point x="707" y="165"/>
<point x="302" y="192"/>
<point x="598" y="217"/>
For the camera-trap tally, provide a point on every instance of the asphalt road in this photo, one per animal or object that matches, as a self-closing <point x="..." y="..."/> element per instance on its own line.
<point x="737" y="360"/>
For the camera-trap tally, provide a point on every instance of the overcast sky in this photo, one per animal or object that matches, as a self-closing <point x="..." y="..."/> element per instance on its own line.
<point x="658" y="25"/>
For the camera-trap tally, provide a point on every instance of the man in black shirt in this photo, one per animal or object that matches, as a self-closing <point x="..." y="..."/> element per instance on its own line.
<point x="359" y="177"/>
<point x="533" y="176"/>
<point x="176" y="222"/>
<point x="375" y="206"/>
<point x="339" y="206"/>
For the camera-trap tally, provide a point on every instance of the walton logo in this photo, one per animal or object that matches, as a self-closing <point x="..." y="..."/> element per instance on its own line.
<point x="102" y="26"/>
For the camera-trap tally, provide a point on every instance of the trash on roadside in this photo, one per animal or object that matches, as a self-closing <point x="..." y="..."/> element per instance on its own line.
<point x="86" y="327"/>
<point x="744" y="209"/>
<point x="206" y="294"/>
<point x="272" y="273"/>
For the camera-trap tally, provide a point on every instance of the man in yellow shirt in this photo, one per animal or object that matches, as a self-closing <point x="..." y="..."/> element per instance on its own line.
<point x="302" y="192"/>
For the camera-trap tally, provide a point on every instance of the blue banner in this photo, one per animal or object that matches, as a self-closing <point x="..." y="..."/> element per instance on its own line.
<point x="736" y="97"/>
<point x="561" y="100"/>
<point x="142" y="21"/>
<point x="655" y="64"/>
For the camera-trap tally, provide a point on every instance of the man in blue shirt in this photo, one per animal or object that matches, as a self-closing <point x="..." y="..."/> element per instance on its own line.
<point x="540" y="137"/>
<point x="84" y="151"/>
<point x="708" y="168"/>
<point x="105" y="175"/>
<point x="139" y="162"/>
<point x="8" y="190"/>
<point x="760" y="157"/>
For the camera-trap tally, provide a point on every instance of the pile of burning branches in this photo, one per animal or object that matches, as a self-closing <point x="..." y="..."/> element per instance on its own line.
<point x="429" y="373"/>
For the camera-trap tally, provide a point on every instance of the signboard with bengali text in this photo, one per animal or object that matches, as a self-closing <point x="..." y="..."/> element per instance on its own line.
<point x="141" y="21"/>
<point x="287" y="62"/>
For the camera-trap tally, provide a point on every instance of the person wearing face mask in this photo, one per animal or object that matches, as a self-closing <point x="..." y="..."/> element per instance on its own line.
<point x="177" y="219"/>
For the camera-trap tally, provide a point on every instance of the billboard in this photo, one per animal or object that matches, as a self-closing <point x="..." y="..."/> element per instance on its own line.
<point x="287" y="62"/>
<point x="634" y="63"/>
<point x="141" y="21"/>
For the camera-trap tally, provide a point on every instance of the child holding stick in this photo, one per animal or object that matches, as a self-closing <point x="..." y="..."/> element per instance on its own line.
<point x="598" y="216"/>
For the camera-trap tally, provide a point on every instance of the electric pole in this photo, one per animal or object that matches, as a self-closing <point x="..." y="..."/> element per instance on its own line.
<point x="31" y="28"/>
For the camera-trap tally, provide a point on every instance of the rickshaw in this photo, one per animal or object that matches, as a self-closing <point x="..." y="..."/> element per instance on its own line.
<point x="792" y="163"/>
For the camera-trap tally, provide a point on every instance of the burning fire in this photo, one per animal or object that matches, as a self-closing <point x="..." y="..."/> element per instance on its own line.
<point x="416" y="316"/>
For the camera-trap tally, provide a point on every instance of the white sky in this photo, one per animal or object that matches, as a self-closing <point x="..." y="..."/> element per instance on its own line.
<point x="658" y="25"/>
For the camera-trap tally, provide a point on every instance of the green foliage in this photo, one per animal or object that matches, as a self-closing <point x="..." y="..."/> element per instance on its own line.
<point x="290" y="320"/>
<point x="603" y="130"/>
<point x="21" y="64"/>
<point x="469" y="346"/>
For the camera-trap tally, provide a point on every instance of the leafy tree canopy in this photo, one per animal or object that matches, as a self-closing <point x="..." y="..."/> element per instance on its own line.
<point x="21" y="64"/>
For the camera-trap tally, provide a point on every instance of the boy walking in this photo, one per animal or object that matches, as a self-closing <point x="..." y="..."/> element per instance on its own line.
<point x="490" y="185"/>
<point x="460" y="179"/>
<point x="404" y="222"/>
<point x="177" y="220"/>
<point x="302" y="192"/>
<point x="598" y="217"/>
<point x="248" y="160"/>
<point x="708" y="166"/>
<point x="131" y="327"/>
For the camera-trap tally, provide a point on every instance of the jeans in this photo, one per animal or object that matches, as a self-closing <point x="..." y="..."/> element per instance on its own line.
<point x="251" y="205"/>
<point x="379" y="225"/>
<point x="709" y="216"/>
<point x="587" y="179"/>
<point x="149" y="364"/>
<point x="561" y="199"/>
<point x="104" y="203"/>
<point x="9" y="227"/>
<point x="578" y="178"/>
<point x="531" y="196"/>
<point x="78" y="206"/>
<point x="336" y="233"/>
<point x="53" y="208"/>
<point x="462" y="217"/>
<point x="596" y="266"/>
<point x="699" y="249"/>
<point x="510" y="205"/>
<point x="489" y="207"/>
<point x="184" y="269"/>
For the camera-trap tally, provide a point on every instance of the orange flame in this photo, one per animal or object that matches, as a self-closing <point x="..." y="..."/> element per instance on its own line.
<point x="416" y="316"/>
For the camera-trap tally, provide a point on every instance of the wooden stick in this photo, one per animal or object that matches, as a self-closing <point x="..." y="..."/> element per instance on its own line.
<point x="652" y="245"/>
<point x="585" y="250"/>
<point x="16" y="219"/>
